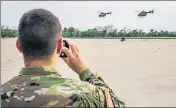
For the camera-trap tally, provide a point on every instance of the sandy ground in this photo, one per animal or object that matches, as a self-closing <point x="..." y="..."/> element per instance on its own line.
<point x="141" y="72"/>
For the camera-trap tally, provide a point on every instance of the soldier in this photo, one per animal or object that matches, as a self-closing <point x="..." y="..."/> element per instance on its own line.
<point x="39" y="84"/>
<point x="122" y="39"/>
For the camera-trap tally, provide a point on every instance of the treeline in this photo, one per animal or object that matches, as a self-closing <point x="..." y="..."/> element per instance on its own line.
<point x="99" y="32"/>
<point x="6" y="32"/>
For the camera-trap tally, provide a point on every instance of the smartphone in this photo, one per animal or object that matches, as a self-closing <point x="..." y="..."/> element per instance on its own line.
<point x="62" y="54"/>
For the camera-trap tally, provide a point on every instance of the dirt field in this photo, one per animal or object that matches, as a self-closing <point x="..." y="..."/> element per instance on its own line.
<point x="141" y="72"/>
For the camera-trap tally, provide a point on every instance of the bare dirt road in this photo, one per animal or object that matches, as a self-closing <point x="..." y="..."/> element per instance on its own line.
<point x="141" y="72"/>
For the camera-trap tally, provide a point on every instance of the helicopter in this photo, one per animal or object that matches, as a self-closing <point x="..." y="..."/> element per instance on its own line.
<point x="103" y="14"/>
<point x="144" y="13"/>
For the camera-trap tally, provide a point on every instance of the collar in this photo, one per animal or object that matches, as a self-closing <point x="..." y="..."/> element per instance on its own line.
<point x="43" y="70"/>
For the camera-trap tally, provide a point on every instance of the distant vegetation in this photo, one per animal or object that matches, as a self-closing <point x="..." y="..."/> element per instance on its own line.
<point x="7" y="32"/>
<point x="100" y="32"/>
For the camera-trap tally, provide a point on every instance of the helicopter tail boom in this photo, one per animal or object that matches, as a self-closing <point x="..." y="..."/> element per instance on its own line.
<point x="151" y="11"/>
<point x="108" y="13"/>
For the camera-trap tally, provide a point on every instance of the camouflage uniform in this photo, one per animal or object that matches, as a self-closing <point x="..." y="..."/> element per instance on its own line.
<point x="44" y="87"/>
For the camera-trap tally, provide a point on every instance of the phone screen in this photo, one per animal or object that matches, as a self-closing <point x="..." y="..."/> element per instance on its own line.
<point x="65" y="44"/>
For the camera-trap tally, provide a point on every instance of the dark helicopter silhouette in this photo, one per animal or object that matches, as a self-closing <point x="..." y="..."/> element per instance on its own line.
<point x="103" y="14"/>
<point x="144" y="13"/>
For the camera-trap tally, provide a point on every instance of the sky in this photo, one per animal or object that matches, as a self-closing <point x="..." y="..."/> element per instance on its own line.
<point x="84" y="14"/>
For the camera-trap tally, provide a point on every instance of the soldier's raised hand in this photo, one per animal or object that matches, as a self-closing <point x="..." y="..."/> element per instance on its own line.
<point x="74" y="59"/>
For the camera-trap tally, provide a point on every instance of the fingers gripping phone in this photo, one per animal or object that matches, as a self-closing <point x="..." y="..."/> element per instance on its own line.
<point x="62" y="54"/>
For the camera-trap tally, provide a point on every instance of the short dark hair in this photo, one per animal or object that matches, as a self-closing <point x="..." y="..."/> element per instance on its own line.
<point x="38" y="33"/>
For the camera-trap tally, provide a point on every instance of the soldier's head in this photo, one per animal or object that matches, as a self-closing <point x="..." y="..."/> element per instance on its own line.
<point x="39" y="35"/>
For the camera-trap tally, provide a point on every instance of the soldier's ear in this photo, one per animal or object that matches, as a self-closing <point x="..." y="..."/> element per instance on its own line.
<point x="59" y="46"/>
<point x="18" y="45"/>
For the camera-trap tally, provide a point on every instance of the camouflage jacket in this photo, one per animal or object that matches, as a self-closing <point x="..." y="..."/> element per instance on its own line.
<point x="45" y="87"/>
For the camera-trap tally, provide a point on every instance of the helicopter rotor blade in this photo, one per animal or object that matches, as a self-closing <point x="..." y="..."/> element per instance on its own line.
<point x="137" y="11"/>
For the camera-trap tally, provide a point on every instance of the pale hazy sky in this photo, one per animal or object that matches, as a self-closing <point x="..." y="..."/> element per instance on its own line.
<point x="84" y="14"/>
